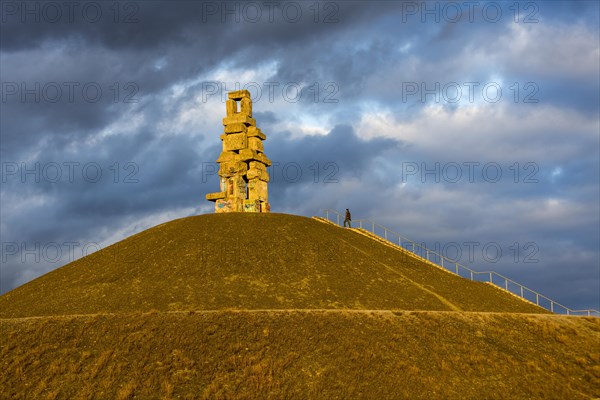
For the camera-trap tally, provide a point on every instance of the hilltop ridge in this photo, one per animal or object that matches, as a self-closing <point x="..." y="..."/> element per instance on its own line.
<point x="251" y="261"/>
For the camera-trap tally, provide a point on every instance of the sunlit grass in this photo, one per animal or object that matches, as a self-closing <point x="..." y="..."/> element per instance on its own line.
<point x="302" y="354"/>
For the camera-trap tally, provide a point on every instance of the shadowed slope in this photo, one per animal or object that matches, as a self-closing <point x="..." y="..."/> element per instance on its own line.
<point x="250" y="261"/>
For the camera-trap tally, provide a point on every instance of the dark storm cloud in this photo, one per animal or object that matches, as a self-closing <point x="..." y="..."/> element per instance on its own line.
<point x="303" y="167"/>
<point x="128" y="179"/>
<point x="125" y="59"/>
<point x="118" y="25"/>
<point x="121" y="179"/>
<point x="129" y="55"/>
<point x="341" y="145"/>
<point x="218" y="26"/>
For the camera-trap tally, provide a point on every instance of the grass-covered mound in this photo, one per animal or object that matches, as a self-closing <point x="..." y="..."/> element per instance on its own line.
<point x="331" y="354"/>
<point x="251" y="261"/>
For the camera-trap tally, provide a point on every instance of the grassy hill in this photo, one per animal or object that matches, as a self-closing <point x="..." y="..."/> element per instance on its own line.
<point x="261" y="306"/>
<point x="251" y="261"/>
<point x="333" y="354"/>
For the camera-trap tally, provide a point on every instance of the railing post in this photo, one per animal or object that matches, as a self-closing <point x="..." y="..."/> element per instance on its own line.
<point x="491" y="280"/>
<point x="427" y="255"/>
<point x="385" y="233"/>
<point x="568" y="311"/>
<point x="360" y="223"/>
<point x="506" y="284"/>
<point x="471" y="275"/>
<point x="338" y="219"/>
<point x="522" y="291"/>
<point x="537" y="299"/>
<point x="456" y="265"/>
<point x="551" y="306"/>
<point x="413" y="247"/>
<point x="442" y="261"/>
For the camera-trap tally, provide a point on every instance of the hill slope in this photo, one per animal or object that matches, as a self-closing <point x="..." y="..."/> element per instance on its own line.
<point x="271" y="306"/>
<point x="251" y="261"/>
<point x="333" y="354"/>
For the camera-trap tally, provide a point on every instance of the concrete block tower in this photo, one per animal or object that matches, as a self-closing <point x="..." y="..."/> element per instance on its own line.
<point x="242" y="164"/>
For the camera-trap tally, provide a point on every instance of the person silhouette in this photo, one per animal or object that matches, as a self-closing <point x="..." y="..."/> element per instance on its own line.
<point x="347" y="219"/>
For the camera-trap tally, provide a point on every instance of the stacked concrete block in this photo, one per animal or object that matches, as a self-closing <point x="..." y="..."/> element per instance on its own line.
<point x="242" y="163"/>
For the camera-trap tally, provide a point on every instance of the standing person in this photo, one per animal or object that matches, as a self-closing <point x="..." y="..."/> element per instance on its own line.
<point x="347" y="219"/>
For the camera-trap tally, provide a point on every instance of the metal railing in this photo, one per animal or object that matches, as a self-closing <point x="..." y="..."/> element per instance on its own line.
<point x="452" y="266"/>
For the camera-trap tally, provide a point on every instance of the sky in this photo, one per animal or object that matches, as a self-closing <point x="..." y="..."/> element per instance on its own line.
<point x="470" y="127"/>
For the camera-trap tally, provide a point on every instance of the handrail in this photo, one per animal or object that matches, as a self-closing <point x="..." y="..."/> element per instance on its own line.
<point x="551" y="305"/>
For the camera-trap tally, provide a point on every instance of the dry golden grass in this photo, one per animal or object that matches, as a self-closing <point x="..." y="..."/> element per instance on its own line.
<point x="302" y="354"/>
<point x="272" y="306"/>
<point x="250" y="261"/>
